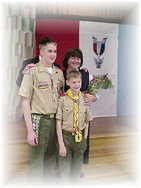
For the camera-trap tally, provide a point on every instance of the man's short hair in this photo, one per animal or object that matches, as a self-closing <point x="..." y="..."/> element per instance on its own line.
<point x="46" y="40"/>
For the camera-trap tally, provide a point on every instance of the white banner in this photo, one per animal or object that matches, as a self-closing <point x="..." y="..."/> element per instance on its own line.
<point x="99" y="44"/>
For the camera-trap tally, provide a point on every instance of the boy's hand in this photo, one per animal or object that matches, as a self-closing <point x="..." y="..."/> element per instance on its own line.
<point x="63" y="151"/>
<point x="32" y="138"/>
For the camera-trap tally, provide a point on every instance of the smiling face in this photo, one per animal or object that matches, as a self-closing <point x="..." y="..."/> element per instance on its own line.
<point x="74" y="63"/>
<point x="75" y="84"/>
<point x="49" y="54"/>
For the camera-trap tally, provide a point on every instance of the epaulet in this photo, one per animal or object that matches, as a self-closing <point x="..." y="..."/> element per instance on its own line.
<point x="63" y="94"/>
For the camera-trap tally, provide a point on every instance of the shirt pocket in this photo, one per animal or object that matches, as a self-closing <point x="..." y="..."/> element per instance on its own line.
<point x="82" y="115"/>
<point x="67" y="114"/>
<point x="43" y="90"/>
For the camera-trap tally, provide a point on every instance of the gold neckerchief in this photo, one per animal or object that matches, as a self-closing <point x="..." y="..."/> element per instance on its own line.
<point x="78" y="133"/>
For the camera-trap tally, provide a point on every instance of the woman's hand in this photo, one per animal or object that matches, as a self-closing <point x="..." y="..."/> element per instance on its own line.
<point x="88" y="98"/>
<point x="29" y="66"/>
<point x="86" y="70"/>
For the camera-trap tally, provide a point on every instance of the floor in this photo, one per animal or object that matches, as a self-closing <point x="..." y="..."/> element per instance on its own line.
<point x="120" y="173"/>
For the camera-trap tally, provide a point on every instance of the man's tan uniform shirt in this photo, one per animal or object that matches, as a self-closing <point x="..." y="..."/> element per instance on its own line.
<point x="42" y="88"/>
<point x="65" y="113"/>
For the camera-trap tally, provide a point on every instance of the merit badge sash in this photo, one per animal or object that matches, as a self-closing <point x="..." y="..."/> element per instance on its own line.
<point x="36" y="122"/>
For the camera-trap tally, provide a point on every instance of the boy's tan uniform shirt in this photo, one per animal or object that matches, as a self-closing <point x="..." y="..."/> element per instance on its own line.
<point x="42" y="88"/>
<point x="65" y="113"/>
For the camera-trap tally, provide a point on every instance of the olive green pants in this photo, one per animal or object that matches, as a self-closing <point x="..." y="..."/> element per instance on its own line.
<point x="71" y="165"/>
<point x="43" y="157"/>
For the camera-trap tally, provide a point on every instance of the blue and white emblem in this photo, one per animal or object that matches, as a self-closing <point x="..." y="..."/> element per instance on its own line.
<point x="99" y="49"/>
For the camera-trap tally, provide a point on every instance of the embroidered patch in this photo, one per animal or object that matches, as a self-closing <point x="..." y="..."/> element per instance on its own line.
<point x="84" y="104"/>
<point x="27" y="71"/>
<point x="42" y="85"/>
<point x="59" y="86"/>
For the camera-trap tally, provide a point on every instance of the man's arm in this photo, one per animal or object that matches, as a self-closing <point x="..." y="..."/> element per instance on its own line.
<point x="32" y="137"/>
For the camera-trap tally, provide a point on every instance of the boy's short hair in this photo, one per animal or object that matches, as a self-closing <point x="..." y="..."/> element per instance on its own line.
<point x="46" y="40"/>
<point x="73" y="74"/>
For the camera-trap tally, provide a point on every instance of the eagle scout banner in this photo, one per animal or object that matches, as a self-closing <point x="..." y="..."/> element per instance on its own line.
<point x="99" y="44"/>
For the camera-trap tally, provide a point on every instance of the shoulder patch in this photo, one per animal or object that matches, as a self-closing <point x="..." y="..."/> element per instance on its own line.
<point x="27" y="71"/>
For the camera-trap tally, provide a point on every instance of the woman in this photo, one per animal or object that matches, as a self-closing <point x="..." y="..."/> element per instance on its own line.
<point x="73" y="60"/>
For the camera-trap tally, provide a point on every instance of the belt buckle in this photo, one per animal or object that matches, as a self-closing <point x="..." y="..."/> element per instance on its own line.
<point x="51" y="116"/>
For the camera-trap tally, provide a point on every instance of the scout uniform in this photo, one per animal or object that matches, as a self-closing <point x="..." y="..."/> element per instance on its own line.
<point x="75" y="143"/>
<point x="43" y="89"/>
<point x="84" y="88"/>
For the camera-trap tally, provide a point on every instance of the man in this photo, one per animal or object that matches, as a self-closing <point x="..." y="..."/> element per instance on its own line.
<point x="40" y="89"/>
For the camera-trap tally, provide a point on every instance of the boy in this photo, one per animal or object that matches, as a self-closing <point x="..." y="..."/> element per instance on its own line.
<point x="40" y="89"/>
<point x="72" y="118"/>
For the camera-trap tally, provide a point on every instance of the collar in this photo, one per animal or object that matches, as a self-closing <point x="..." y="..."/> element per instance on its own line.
<point x="42" y="68"/>
<point x="69" y="92"/>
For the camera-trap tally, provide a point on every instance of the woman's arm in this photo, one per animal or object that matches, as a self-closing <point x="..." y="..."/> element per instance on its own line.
<point x="86" y="130"/>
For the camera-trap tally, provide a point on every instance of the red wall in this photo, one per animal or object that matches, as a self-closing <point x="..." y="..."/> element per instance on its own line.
<point x="64" y="32"/>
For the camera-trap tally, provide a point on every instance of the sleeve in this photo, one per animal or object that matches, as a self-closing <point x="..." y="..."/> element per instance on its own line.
<point x="88" y="116"/>
<point x="20" y="76"/>
<point x="90" y="77"/>
<point x="26" y="88"/>
<point x="59" y="113"/>
<point x="19" y="79"/>
<point x="24" y="64"/>
<point x="63" y="86"/>
<point x="62" y="81"/>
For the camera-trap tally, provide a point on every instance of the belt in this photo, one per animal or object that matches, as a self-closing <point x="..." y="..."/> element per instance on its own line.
<point x="50" y="116"/>
<point x="46" y="116"/>
<point x="68" y="133"/>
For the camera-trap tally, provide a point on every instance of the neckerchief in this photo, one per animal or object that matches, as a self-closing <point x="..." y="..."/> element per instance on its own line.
<point x="78" y="133"/>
